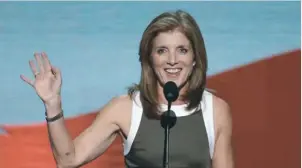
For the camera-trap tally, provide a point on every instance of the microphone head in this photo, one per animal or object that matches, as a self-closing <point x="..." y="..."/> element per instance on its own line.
<point x="171" y="91"/>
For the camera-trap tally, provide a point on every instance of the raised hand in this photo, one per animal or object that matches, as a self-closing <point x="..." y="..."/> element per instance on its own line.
<point x="48" y="80"/>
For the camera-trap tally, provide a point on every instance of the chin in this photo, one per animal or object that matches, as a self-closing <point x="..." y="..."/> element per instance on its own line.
<point x="178" y="82"/>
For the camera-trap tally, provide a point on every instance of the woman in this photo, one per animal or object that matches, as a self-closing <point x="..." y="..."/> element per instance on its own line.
<point x="171" y="49"/>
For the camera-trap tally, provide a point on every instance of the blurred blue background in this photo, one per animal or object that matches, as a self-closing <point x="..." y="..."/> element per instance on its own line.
<point x="95" y="44"/>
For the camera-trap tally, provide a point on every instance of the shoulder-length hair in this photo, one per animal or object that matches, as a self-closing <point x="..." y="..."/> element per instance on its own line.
<point x="169" y="21"/>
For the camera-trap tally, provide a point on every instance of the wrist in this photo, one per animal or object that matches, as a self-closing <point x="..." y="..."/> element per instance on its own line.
<point x="54" y="118"/>
<point x="53" y="107"/>
<point x="53" y="103"/>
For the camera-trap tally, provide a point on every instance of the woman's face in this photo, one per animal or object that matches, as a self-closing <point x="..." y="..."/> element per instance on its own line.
<point x="173" y="57"/>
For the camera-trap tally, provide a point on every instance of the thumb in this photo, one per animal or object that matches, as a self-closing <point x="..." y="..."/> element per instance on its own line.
<point x="56" y="72"/>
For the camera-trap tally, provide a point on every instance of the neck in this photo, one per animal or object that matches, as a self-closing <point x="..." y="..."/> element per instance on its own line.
<point x="162" y="99"/>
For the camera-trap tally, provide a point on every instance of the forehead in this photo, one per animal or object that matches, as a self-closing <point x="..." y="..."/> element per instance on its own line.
<point x="170" y="39"/>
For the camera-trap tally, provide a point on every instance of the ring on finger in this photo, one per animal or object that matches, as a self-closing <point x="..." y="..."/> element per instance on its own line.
<point x="37" y="73"/>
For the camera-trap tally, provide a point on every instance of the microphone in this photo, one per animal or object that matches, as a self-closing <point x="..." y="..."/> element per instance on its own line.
<point x="168" y="119"/>
<point x="171" y="93"/>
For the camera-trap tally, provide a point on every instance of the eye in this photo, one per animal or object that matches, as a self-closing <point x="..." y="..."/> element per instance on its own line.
<point x="183" y="50"/>
<point x="160" y="51"/>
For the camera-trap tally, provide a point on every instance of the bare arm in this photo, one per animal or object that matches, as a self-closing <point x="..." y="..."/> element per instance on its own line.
<point x="59" y="137"/>
<point x="223" y="153"/>
<point x="90" y="143"/>
<point x="93" y="141"/>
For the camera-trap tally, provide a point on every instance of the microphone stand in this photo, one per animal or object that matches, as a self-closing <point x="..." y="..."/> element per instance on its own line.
<point x="167" y="132"/>
<point x="167" y="121"/>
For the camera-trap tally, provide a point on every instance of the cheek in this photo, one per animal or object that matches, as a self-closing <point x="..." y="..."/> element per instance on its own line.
<point x="187" y="60"/>
<point x="188" y="64"/>
<point x="157" y="62"/>
<point x="188" y="69"/>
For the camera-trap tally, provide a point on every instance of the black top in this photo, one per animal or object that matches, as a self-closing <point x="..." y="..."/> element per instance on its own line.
<point x="188" y="145"/>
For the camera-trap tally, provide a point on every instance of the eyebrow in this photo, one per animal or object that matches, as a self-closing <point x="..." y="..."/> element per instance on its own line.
<point x="179" y="46"/>
<point x="183" y="46"/>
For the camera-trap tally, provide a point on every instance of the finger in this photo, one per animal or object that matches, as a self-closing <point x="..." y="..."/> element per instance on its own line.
<point x="46" y="62"/>
<point x="25" y="79"/>
<point x="33" y="67"/>
<point x="56" y="71"/>
<point x="40" y="63"/>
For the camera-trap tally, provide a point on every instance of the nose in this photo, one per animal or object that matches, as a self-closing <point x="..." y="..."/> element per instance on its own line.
<point x="172" y="59"/>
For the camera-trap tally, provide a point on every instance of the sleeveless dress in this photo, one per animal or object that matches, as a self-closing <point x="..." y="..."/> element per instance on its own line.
<point x="191" y="143"/>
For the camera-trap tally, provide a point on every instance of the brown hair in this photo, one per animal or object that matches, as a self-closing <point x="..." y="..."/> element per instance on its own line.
<point x="147" y="86"/>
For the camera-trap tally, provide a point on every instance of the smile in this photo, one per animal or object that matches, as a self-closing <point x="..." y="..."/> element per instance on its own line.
<point x="173" y="70"/>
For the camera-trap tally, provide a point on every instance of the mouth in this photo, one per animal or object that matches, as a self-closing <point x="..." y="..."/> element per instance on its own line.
<point x="173" y="71"/>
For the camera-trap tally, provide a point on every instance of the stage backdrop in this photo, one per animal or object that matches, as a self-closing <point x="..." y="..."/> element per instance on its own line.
<point x="254" y="63"/>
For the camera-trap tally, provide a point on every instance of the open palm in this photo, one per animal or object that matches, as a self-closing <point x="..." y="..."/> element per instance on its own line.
<point x="48" y="80"/>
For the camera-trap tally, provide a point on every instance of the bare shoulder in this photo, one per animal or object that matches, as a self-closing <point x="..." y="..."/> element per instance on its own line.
<point x="118" y="106"/>
<point x="223" y="152"/>
<point x="222" y="114"/>
<point x="221" y="106"/>
<point x="120" y="101"/>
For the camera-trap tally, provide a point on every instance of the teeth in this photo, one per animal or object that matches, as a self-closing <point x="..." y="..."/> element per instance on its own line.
<point x="173" y="70"/>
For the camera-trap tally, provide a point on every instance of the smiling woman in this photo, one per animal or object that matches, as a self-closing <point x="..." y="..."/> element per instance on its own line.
<point x="172" y="57"/>
<point x="171" y="49"/>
